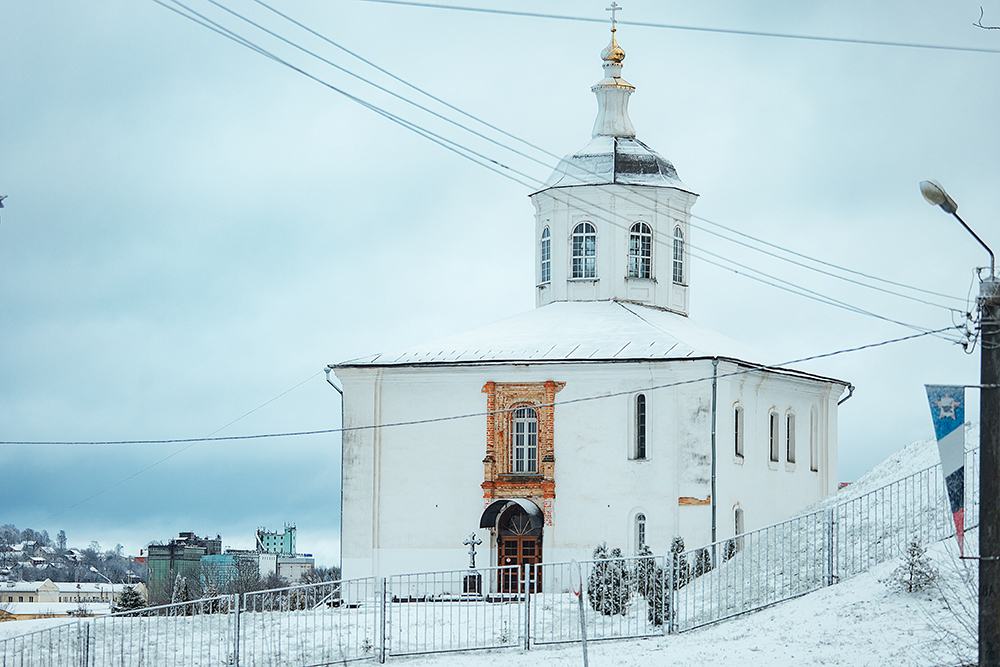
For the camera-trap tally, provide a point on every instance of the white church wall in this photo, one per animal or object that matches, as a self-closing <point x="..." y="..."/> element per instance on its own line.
<point x="766" y="491"/>
<point x="412" y="493"/>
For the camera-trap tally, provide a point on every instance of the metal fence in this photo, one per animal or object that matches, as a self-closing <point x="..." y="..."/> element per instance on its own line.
<point x="494" y="608"/>
<point x="456" y="610"/>
<point x="623" y="597"/>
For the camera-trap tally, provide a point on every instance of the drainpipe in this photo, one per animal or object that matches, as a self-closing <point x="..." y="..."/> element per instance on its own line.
<point x="715" y="386"/>
<point x="341" y="392"/>
<point x="850" y="392"/>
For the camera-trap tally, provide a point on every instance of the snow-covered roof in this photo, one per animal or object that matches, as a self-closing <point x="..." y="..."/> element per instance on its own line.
<point x="615" y="160"/>
<point x="575" y="331"/>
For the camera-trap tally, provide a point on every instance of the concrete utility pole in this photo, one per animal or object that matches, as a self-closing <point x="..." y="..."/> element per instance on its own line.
<point x="989" y="473"/>
<point x="989" y="442"/>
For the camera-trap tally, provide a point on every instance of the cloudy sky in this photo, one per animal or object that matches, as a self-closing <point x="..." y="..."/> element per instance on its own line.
<point x="193" y="230"/>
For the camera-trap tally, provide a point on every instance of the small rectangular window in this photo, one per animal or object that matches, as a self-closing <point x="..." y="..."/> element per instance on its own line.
<point x="775" y="447"/>
<point x="738" y="430"/>
<point x="790" y="438"/>
<point x="813" y="441"/>
<point x="640" y="426"/>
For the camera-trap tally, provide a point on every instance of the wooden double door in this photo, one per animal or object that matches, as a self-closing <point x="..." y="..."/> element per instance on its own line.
<point x="518" y="545"/>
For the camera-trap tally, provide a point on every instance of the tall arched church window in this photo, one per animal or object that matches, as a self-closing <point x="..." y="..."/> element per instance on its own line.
<point x="774" y="443"/>
<point x="640" y="426"/>
<point x="584" y="251"/>
<point x="790" y="437"/>
<point x="738" y="428"/>
<point x="678" y="256"/>
<point x="640" y="249"/>
<point x="524" y="441"/>
<point x="640" y="532"/>
<point x="546" y="255"/>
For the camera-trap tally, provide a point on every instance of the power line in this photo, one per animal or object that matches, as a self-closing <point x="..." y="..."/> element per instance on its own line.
<point x="750" y="368"/>
<point x="173" y="454"/>
<point x="464" y="151"/>
<point x="668" y="26"/>
<point x="549" y="165"/>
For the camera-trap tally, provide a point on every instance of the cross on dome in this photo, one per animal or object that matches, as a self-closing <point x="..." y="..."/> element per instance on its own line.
<point x="613" y="8"/>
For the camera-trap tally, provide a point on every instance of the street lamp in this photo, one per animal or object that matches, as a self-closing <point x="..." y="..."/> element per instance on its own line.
<point x="989" y="442"/>
<point x="935" y="194"/>
<point x="101" y="574"/>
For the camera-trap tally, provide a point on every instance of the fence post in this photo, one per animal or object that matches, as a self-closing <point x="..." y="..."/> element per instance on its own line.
<point x="831" y="545"/>
<point x="86" y="644"/>
<point x="235" y="604"/>
<point x="382" y="623"/>
<point x="526" y="581"/>
<point x="671" y="595"/>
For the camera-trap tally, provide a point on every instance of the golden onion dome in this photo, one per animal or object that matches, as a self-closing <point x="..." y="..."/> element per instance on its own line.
<point x="613" y="53"/>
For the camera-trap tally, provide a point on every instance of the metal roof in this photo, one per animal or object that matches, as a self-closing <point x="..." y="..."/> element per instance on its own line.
<point x="575" y="331"/>
<point x="615" y="160"/>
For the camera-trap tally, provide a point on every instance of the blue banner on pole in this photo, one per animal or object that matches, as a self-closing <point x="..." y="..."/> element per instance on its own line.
<point x="947" y="403"/>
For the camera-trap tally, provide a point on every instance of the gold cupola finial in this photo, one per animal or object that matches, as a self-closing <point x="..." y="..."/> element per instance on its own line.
<point x="613" y="53"/>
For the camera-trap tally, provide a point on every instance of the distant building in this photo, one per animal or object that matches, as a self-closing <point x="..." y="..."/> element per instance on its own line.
<point x="178" y="557"/>
<point x="292" y="567"/>
<point x="41" y="599"/>
<point x="219" y="571"/>
<point x="276" y="543"/>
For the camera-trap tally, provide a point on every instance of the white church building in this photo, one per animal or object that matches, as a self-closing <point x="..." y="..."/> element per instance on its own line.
<point x="603" y="415"/>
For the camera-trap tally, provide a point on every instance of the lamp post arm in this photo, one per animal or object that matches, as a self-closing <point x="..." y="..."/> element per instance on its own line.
<point x="976" y="236"/>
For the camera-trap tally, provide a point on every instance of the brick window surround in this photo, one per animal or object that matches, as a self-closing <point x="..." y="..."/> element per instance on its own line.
<point x="502" y="398"/>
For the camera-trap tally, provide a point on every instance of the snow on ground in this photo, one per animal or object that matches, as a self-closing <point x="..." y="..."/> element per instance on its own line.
<point x="857" y="622"/>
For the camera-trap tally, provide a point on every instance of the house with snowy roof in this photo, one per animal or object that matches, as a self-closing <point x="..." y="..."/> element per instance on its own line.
<point x="604" y="414"/>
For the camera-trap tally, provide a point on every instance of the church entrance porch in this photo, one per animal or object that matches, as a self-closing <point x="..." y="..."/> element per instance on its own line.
<point x="519" y="542"/>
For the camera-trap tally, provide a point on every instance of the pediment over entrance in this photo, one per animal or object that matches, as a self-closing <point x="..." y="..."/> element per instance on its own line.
<point x="490" y="514"/>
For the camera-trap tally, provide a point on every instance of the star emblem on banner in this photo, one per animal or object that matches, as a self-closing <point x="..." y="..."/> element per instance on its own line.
<point x="946" y="407"/>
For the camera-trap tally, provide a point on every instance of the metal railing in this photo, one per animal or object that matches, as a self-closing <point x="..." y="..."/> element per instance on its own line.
<point x="623" y="597"/>
<point x="318" y="624"/>
<point x="500" y="607"/>
<point x="456" y="610"/>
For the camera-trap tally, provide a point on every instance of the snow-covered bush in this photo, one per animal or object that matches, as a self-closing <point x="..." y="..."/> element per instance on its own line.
<point x="645" y="570"/>
<point x="682" y="573"/>
<point x="608" y="585"/>
<point x="702" y="562"/>
<point x="129" y="600"/>
<point x="915" y="573"/>
<point x="729" y="550"/>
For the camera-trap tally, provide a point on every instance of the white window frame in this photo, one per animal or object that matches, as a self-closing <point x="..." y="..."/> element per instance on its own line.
<point x="814" y="439"/>
<point x="583" y="254"/>
<point x="524" y="441"/>
<point x="790" y="437"/>
<point x="640" y="441"/>
<point x="678" y="265"/>
<point x="739" y="427"/>
<point x="545" y="252"/>
<point x="640" y="251"/>
<point x="773" y="436"/>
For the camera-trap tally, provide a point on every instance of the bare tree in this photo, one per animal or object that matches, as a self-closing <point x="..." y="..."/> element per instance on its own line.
<point x="979" y="23"/>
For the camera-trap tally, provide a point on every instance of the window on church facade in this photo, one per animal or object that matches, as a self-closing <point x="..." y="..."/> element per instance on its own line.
<point x="790" y="437"/>
<point x="678" y="256"/>
<point x="524" y="441"/>
<point x="546" y="254"/>
<point x="640" y="426"/>
<point x="813" y="439"/>
<point x="640" y="249"/>
<point x="640" y="531"/>
<point x="584" y="251"/>
<point x="738" y="520"/>
<point x="773" y="440"/>
<point x="738" y="430"/>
